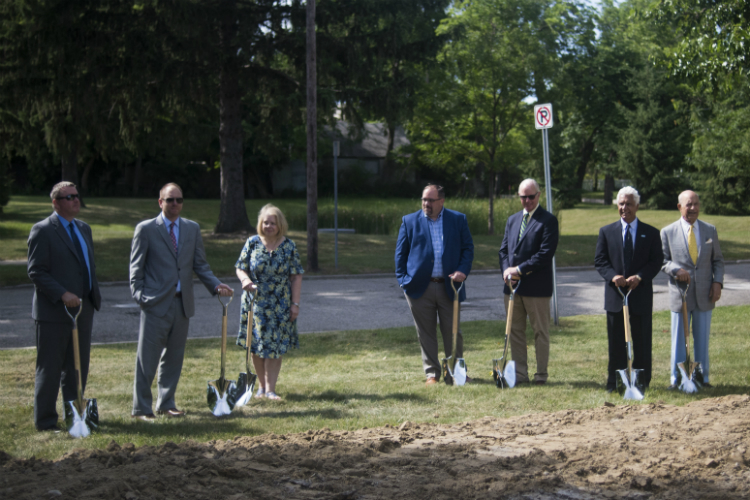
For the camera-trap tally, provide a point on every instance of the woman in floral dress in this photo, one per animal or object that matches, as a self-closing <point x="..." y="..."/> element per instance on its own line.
<point x="270" y="263"/>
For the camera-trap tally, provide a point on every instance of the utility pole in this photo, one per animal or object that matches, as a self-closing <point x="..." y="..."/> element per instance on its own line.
<point x="312" y="143"/>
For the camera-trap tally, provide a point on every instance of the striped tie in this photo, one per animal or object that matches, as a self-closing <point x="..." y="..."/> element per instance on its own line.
<point x="692" y="245"/>
<point x="523" y="225"/>
<point x="171" y="235"/>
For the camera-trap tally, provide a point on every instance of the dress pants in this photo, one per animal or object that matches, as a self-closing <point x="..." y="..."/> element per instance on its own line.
<point x="700" y="322"/>
<point x="161" y="346"/>
<point x="537" y="310"/>
<point x="640" y="331"/>
<point x="55" y="364"/>
<point x="426" y="310"/>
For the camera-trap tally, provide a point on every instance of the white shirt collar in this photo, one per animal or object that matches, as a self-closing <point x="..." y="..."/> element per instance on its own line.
<point x="531" y="214"/>
<point x="168" y="222"/>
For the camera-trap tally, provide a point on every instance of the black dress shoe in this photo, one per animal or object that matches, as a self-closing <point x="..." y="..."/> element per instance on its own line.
<point x="540" y="382"/>
<point x="707" y="385"/>
<point x="49" y="429"/>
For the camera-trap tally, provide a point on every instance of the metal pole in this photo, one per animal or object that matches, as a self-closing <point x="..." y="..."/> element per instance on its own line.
<point x="548" y="184"/>
<point x="335" y="204"/>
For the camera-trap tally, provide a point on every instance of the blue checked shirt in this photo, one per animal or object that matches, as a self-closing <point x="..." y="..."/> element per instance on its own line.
<point x="436" y="232"/>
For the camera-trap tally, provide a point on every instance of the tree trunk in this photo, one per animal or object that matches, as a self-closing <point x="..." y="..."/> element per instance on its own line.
<point x="232" y="211"/>
<point x="69" y="163"/>
<point x="137" y="175"/>
<point x="388" y="164"/>
<point x="609" y="187"/>
<point x="85" y="177"/>
<point x="491" y="210"/>
<point x="312" y="143"/>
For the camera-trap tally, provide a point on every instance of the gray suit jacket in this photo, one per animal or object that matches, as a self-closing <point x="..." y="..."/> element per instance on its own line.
<point x="708" y="270"/>
<point x="55" y="269"/>
<point x="155" y="268"/>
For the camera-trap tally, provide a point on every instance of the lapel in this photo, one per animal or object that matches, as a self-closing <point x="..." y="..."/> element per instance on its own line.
<point x="63" y="234"/>
<point x="425" y="227"/>
<point x="679" y="235"/>
<point x="162" y="230"/>
<point x="530" y="225"/>
<point x="618" y="256"/>
<point x="640" y="239"/>
<point x="703" y="228"/>
<point x="183" y="236"/>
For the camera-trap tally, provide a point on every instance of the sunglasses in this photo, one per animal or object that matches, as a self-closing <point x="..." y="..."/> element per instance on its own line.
<point x="529" y="197"/>
<point x="177" y="200"/>
<point x="70" y="197"/>
<point x="430" y="200"/>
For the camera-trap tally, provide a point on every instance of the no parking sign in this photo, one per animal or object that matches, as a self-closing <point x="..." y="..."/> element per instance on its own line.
<point x="543" y="116"/>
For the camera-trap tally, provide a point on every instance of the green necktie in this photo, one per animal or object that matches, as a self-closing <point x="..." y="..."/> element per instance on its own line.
<point x="523" y="225"/>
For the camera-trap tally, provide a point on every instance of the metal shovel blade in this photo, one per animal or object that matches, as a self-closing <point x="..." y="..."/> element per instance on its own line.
<point x="629" y="386"/>
<point x="244" y="388"/>
<point x="447" y="370"/>
<point x="220" y="395"/>
<point x="692" y="383"/>
<point x="81" y="417"/>
<point x="459" y="372"/>
<point x="504" y="378"/>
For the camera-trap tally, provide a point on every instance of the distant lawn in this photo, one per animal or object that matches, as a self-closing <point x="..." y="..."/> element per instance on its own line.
<point x="113" y="221"/>
<point x="350" y="380"/>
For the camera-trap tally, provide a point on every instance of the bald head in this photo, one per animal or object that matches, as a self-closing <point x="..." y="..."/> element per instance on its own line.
<point x="689" y="206"/>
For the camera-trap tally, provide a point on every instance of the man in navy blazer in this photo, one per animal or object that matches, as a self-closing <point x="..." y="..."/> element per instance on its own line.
<point x="434" y="246"/>
<point x="631" y="269"/>
<point x="528" y="247"/>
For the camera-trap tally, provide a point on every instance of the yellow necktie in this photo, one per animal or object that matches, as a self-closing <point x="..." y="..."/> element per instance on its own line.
<point x="692" y="245"/>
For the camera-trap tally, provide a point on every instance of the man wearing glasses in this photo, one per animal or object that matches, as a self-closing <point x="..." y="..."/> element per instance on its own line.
<point x="61" y="265"/>
<point x="166" y="251"/>
<point x="434" y="246"/>
<point x="526" y="253"/>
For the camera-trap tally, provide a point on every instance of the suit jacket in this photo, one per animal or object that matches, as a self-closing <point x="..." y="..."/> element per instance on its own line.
<point x="647" y="261"/>
<point x="155" y="268"/>
<point x="55" y="269"/>
<point x="533" y="252"/>
<point x="708" y="270"/>
<point x="415" y="257"/>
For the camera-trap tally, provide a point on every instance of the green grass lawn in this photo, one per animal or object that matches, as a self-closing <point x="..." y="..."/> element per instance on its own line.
<point x="356" y="379"/>
<point x="113" y="221"/>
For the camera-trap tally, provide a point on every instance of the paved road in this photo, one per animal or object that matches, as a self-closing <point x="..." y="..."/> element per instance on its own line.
<point x="342" y="303"/>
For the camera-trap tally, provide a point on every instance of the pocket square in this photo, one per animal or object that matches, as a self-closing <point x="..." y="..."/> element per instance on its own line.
<point x="709" y="241"/>
<point x="643" y="236"/>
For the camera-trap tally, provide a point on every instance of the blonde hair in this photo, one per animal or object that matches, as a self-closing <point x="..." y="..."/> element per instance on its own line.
<point x="281" y="222"/>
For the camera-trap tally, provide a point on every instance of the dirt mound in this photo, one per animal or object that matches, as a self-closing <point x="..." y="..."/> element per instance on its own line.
<point x="627" y="451"/>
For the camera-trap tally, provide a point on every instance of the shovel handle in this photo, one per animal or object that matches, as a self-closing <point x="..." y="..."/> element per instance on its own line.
<point x="455" y="320"/>
<point x="77" y="355"/>
<point x="250" y="317"/>
<point x="224" y="334"/>
<point x="685" y="325"/>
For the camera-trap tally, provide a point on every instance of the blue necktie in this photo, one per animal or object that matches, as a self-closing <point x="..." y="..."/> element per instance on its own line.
<point x="628" y="250"/>
<point x="79" y="251"/>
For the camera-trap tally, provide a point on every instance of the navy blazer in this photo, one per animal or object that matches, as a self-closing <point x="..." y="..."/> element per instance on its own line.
<point x="647" y="261"/>
<point x="415" y="258"/>
<point x="534" y="252"/>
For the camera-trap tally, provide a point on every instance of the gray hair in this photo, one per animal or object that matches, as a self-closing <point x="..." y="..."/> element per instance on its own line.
<point x="530" y="181"/>
<point x="629" y="191"/>
<point x="57" y="188"/>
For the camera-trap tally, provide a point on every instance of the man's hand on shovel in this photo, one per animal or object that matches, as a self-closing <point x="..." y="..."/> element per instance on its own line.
<point x="458" y="276"/>
<point x="224" y="290"/>
<point x="682" y="276"/>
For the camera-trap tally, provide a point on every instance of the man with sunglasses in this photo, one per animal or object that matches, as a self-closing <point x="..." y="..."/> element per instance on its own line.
<point x="166" y="251"/>
<point x="529" y="243"/>
<point x="434" y="246"/>
<point x="61" y="265"/>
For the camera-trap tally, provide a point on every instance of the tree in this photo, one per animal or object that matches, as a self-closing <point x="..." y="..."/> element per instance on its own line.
<point x="312" y="141"/>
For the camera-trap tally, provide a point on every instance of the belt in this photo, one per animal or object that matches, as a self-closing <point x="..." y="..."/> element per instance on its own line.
<point x="437" y="280"/>
<point x="178" y="295"/>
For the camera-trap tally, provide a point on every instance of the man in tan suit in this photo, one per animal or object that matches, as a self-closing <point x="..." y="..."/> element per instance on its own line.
<point x="166" y="251"/>
<point x="692" y="256"/>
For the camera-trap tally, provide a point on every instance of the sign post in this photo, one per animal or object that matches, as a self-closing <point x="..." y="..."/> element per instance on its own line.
<point x="335" y="205"/>
<point x="543" y="120"/>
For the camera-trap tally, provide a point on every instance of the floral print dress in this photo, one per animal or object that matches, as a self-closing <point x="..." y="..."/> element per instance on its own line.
<point x="273" y="332"/>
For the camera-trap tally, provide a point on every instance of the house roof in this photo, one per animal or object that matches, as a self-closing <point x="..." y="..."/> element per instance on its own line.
<point x="372" y="142"/>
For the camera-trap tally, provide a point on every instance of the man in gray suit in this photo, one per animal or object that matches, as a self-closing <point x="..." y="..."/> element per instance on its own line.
<point x="692" y="256"/>
<point x="61" y="265"/>
<point x="166" y="251"/>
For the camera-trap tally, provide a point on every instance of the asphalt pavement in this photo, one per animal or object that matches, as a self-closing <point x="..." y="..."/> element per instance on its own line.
<point x="342" y="303"/>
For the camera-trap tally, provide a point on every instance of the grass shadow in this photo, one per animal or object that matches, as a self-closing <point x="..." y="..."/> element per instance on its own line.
<point x="338" y="397"/>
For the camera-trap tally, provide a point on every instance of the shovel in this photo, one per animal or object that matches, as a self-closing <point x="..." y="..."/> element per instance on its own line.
<point x="81" y="415"/>
<point x="220" y="393"/>
<point x="628" y="380"/>
<point x="506" y="376"/>
<point x="690" y="377"/>
<point x="246" y="380"/>
<point x="454" y="369"/>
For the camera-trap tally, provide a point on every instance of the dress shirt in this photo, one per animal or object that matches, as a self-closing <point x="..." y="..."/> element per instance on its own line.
<point x="436" y="233"/>
<point x="685" y="226"/>
<point x="633" y="230"/>
<point x="168" y="223"/>
<point x="81" y="240"/>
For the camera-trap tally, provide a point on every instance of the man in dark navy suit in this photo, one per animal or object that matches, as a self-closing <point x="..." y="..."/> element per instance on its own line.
<point x="529" y="244"/>
<point x="629" y="255"/>
<point x="434" y="246"/>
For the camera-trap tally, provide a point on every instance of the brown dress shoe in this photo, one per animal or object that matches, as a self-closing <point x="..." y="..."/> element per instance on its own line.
<point x="431" y="381"/>
<point x="172" y="413"/>
<point x="149" y="417"/>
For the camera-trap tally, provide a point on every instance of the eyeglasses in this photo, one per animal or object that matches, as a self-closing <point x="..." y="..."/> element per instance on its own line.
<point x="529" y="197"/>
<point x="177" y="200"/>
<point x="70" y="197"/>
<point x="430" y="200"/>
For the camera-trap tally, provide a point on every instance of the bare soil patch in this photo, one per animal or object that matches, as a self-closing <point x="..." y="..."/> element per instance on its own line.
<point x="626" y="451"/>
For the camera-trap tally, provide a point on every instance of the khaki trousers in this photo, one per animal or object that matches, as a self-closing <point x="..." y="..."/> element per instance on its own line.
<point x="426" y="310"/>
<point x="537" y="309"/>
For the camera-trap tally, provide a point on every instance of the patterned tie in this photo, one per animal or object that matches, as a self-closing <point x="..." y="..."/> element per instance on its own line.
<point x="627" y="250"/>
<point x="79" y="251"/>
<point x="692" y="245"/>
<point x="523" y="225"/>
<point x="171" y="235"/>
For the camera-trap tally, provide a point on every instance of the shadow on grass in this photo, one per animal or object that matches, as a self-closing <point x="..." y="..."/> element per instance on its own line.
<point x="338" y="397"/>
<point x="203" y="429"/>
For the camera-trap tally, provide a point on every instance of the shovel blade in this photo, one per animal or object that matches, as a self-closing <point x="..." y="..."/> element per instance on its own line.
<point x="447" y="371"/>
<point x="221" y="396"/>
<point x="459" y="372"/>
<point x="685" y="383"/>
<point x="244" y="389"/>
<point x="630" y="388"/>
<point x="504" y="378"/>
<point x="81" y="417"/>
